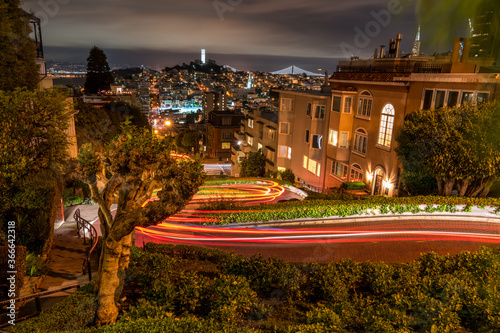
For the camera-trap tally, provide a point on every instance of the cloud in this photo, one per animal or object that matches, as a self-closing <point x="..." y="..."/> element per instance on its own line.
<point x="299" y="28"/>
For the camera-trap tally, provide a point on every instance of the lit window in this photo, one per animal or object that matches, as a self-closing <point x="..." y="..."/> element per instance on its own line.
<point x="226" y="145"/>
<point x="344" y="140"/>
<point x="365" y="105"/>
<point x="284" y="128"/>
<point x="286" y="104"/>
<point x="320" y="112"/>
<point x="318" y="170"/>
<point x="333" y="137"/>
<point x="270" y="154"/>
<point x="285" y="152"/>
<point x="304" y="163"/>
<point x="272" y="134"/>
<point x="317" y="141"/>
<point x="347" y="104"/>
<point x="386" y="126"/>
<point x="250" y="123"/>
<point x="259" y="146"/>
<point x="312" y="166"/>
<point x="356" y="173"/>
<point x="250" y="140"/>
<point x="336" y="103"/>
<point x="360" y="141"/>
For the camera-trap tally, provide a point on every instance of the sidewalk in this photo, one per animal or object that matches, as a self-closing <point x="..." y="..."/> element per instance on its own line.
<point x="68" y="251"/>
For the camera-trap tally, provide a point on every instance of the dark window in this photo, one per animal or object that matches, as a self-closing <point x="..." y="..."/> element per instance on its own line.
<point x="439" y="103"/>
<point x="317" y="140"/>
<point x="309" y="107"/>
<point x="452" y="98"/>
<point x="261" y="131"/>
<point x="482" y="97"/>
<point x="427" y="100"/>
<point x="336" y="103"/>
<point x="307" y="136"/>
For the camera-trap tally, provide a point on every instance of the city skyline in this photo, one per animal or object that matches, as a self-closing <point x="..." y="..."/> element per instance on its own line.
<point x="248" y="36"/>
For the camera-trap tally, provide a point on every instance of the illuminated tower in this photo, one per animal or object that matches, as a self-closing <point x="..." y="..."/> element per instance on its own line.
<point x="250" y="79"/>
<point x="203" y="60"/>
<point x="416" y="44"/>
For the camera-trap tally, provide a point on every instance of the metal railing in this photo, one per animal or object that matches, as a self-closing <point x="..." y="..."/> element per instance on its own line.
<point x="38" y="302"/>
<point x="85" y="227"/>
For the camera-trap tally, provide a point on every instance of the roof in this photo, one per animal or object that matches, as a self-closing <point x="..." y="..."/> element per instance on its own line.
<point x="375" y="77"/>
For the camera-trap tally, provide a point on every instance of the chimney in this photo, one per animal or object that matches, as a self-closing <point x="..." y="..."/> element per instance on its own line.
<point x="392" y="48"/>
<point x="382" y="50"/>
<point x="399" y="37"/>
<point x="456" y="50"/>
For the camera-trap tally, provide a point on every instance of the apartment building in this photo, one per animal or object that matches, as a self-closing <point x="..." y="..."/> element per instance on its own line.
<point x="353" y="138"/>
<point x="259" y="131"/>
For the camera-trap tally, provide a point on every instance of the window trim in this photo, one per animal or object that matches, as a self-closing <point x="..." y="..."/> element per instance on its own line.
<point x="336" y="137"/>
<point x="358" y="134"/>
<point x="288" y="128"/>
<point x="345" y="104"/>
<point x="333" y="171"/>
<point x="388" y="117"/>
<point x="321" y="113"/>
<point x="367" y="96"/>
<point x="346" y="141"/>
<point x="340" y="103"/>
<point x="250" y="123"/>
<point x="320" y="141"/>
<point x="282" y="104"/>
<point x="356" y="168"/>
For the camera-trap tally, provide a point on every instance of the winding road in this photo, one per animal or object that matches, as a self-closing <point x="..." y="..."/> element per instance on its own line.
<point x="396" y="238"/>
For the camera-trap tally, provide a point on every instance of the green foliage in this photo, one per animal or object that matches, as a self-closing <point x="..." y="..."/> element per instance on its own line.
<point x="254" y="165"/>
<point x="99" y="75"/>
<point x="232" y="297"/>
<point x="432" y="294"/>
<point x="353" y="186"/>
<point x="17" y="49"/>
<point x="35" y="265"/>
<point x="456" y="146"/>
<point x="74" y="313"/>
<point x="287" y="176"/>
<point x="146" y="309"/>
<point x="343" y="206"/>
<point x="41" y="117"/>
<point x="418" y="183"/>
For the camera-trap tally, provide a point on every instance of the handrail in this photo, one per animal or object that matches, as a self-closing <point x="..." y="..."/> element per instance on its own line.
<point x="82" y="224"/>
<point x="37" y="297"/>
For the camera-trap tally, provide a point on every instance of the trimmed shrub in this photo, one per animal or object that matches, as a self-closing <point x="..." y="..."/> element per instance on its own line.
<point x="76" y="312"/>
<point x="353" y="186"/>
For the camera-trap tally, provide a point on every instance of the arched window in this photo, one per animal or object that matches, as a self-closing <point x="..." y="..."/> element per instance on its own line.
<point x="365" y="104"/>
<point x="386" y="126"/>
<point x="360" y="141"/>
<point x="356" y="173"/>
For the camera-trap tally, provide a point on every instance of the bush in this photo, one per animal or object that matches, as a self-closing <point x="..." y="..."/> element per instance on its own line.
<point x="287" y="176"/>
<point x="35" y="265"/>
<point x="353" y="186"/>
<point x="146" y="309"/>
<point x="76" y="312"/>
<point x="231" y="298"/>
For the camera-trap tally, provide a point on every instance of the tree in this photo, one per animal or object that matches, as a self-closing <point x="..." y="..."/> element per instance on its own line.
<point x="254" y="165"/>
<point x="17" y="49"/>
<point x="33" y="149"/>
<point x="459" y="147"/>
<point x="99" y="125"/>
<point x="99" y="75"/>
<point x="138" y="163"/>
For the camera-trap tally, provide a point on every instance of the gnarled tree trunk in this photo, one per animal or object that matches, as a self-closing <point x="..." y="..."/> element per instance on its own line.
<point x="448" y="187"/>
<point x="109" y="279"/>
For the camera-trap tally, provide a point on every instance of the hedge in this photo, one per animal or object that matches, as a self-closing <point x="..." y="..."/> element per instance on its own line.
<point x="353" y="186"/>
<point x="339" y="208"/>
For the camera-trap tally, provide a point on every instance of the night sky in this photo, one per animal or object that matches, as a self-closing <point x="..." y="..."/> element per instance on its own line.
<point x="245" y="34"/>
